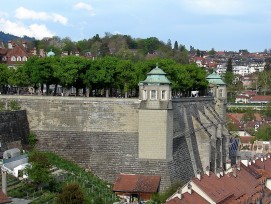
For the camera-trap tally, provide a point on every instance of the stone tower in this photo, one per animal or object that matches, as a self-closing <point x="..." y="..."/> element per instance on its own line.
<point x="155" y="117"/>
<point x="217" y="88"/>
<point x="219" y="141"/>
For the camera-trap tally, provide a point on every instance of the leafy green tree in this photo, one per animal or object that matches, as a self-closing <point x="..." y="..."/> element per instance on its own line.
<point x="198" y="53"/>
<point x="267" y="110"/>
<point x="249" y="115"/>
<point x="125" y="75"/>
<point x="39" y="170"/>
<point x="264" y="133"/>
<point x="4" y="75"/>
<point x="32" y="140"/>
<point x="67" y="71"/>
<point x="19" y="77"/>
<point x="176" y="46"/>
<point x="264" y="81"/>
<point x="41" y="71"/>
<point x="71" y="194"/>
<point x="159" y="198"/>
<point x="212" y="52"/>
<point x="169" y="44"/>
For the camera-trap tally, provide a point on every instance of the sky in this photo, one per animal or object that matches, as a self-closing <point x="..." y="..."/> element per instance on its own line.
<point x="225" y="25"/>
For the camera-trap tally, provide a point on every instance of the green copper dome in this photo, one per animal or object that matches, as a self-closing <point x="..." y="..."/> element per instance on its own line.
<point x="215" y="78"/>
<point x="50" y="54"/>
<point x="156" y="76"/>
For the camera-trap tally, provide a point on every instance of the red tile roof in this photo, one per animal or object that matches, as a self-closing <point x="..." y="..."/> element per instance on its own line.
<point x="4" y="198"/>
<point x="187" y="198"/>
<point x="258" y="98"/>
<point x="230" y="188"/>
<point x="246" y="139"/>
<point x="136" y="183"/>
<point x="243" y="96"/>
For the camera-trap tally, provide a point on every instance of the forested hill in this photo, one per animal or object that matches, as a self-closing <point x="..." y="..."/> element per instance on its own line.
<point x="6" y="37"/>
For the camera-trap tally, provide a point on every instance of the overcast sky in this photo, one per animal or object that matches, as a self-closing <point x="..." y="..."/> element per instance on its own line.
<point x="205" y="24"/>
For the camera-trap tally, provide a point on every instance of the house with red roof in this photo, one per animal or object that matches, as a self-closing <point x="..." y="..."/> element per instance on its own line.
<point x="242" y="99"/>
<point x="260" y="99"/>
<point x="14" y="54"/>
<point x="138" y="187"/>
<point x="246" y="182"/>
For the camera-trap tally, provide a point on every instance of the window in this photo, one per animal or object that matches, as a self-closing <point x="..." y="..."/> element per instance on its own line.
<point x="4" y="58"/>
<point x="163" y="95"/>
<point x="24" y="58"/>
<point x="13" y="58"/>
<point x="153" y="95"/>
<point x="220" y="93"/>
<point x="19" y="58"/>
<point x="144" y="95"/>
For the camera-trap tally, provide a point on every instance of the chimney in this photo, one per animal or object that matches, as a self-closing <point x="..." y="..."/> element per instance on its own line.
<point x="189" y="188"/>
<point x="24" y="44"/>
<point x="2" y="45"/>
<point x="179" y="193"/>
<point x="268" y="156"/>
<point x="238" y="164"/>
<point x="34" y="51"/>
<point x="9" y="44"/>
<point x="4" y="182"/>
<point x="234" y="173"/>
<point x="222" y="172"/>
<point x="265" y="158"/>
<point x="249" y="162"/>
<point x="198" y="174"/>
<point x="228" y="164"/>
<point x="261" y="159"/>
<point x="207" y="171"/>
<point x="245" y="162"/>
<point x="218" y="173"/>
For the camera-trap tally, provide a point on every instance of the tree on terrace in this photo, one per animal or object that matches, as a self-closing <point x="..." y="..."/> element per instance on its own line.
<point x="71" y="194"/>
<point x="4" y="75"/>
<point x="39" y="170"/>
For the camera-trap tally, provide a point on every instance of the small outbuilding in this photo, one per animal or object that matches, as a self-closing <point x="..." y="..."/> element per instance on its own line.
<point x="136" y="187"/>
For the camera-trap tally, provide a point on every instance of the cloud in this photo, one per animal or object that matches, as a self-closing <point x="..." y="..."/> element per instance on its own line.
<point x="23" y="13"/>
<point x="34" y="30"/>
<point x="3" y="14"/>
<point x="217" y="7"/>
<point x="85" y="6"/>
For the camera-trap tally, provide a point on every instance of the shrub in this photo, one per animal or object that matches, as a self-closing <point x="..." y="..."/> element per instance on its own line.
<point x="71" y="194"/>
<point x="13" y="105"/>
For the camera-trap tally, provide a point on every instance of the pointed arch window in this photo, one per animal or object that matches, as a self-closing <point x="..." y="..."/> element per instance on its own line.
<point x="24" y="58"/>
<point x="13" y="59"/>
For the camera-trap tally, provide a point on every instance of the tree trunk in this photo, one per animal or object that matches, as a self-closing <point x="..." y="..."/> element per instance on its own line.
<point x="47" y="89"/>
<point x="55" y="90"/>
<point x="107" y="93"/>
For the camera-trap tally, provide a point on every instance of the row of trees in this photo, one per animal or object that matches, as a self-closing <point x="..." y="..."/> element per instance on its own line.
<point x="106" y="73"/>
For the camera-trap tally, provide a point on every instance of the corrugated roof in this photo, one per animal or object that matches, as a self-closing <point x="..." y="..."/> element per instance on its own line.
<point x="133" y="183"/>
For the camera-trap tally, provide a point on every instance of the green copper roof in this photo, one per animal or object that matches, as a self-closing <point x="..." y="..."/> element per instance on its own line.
<point x="156" y="76"/>
<point x="50" y="54"/>
<point x="215" y="78"/>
